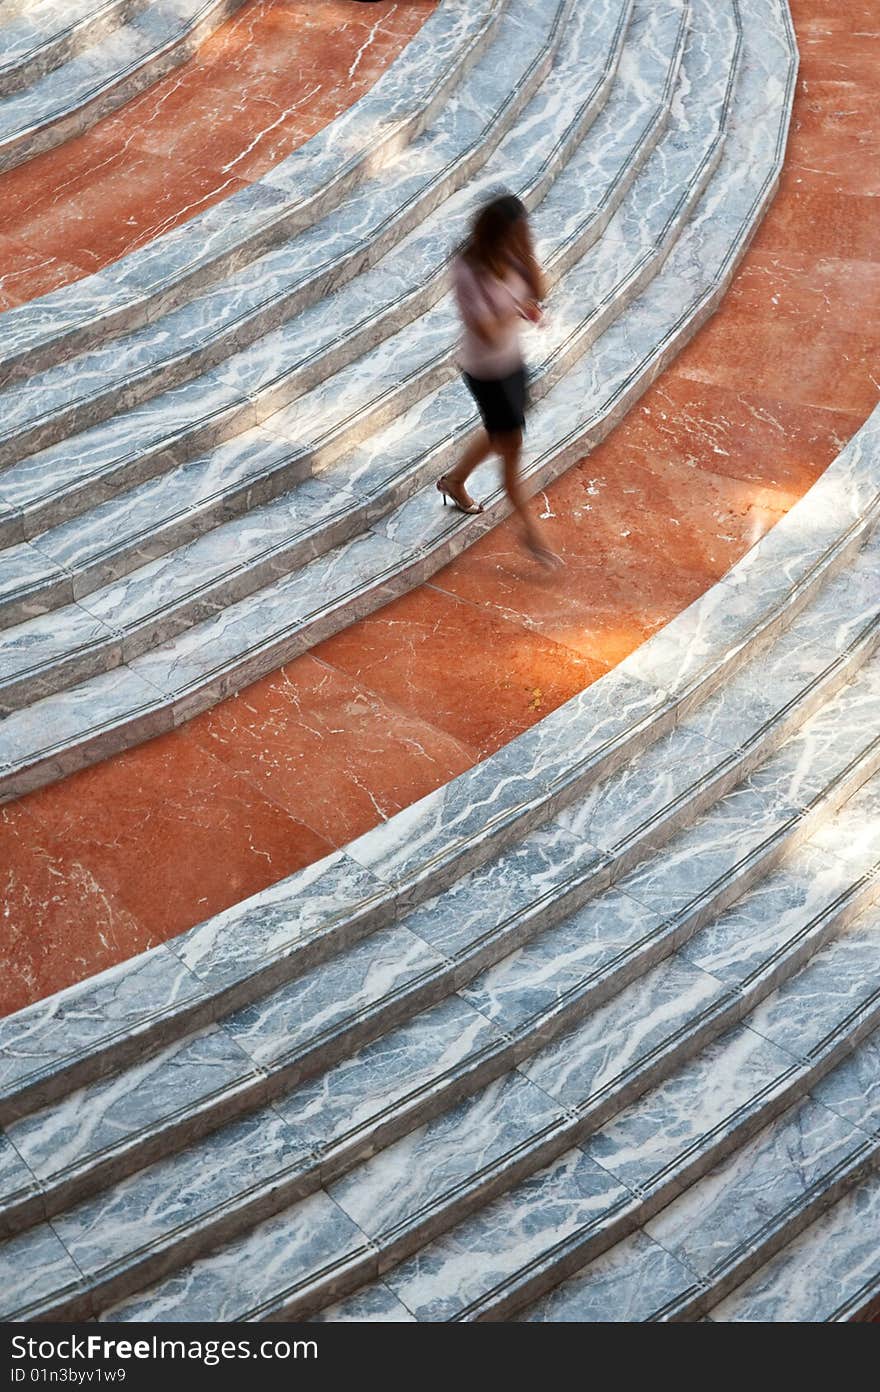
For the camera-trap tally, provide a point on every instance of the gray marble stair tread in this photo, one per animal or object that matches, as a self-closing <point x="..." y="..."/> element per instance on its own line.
<point x="334" y="1243"/>
<point x="663" y="901"/>
<point x="165" y="1093"/>
<point x="90" y="719"/>
<point x="704" y="1227"/>
<point x="629" y="354"/>
<point x="622" y="1286"/>
<point x="46" y="33"/>
<point x="831" y="1272"/>
<point x="92" y="73"/>
<point x="211" y="315"/>
<point x="832" y="630"/>
<point x="374" y="1303"/>
<point x="296" y="192"/>
<point x="842" y="616"/>
<point x="31" y="646"/>
<point x="728" y="1223"/>
<point x="30" y="582"/>
<point x="177" y="589"/>
<point x="347" y="997"/>
<point x="141" y="1220"/>
<point x="769" y="1187"/>
<point x="658" y="1146"/>
<point x="420" y="1063"/>
<point x="259" y="1145"/>
<point x="330" y="1005"/>
<point x="395" y="1195"/>
<point x="27" y="486"/>
<point x="223" y="653"/>
<point x="290" y="353"/>
<point x="77" y="634"/>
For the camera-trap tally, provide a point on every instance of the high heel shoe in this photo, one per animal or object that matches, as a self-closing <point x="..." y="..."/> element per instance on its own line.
<point x="448" y="495"/>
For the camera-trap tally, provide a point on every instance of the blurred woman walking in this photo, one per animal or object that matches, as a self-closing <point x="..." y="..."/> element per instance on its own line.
<point x="498" y="285"/>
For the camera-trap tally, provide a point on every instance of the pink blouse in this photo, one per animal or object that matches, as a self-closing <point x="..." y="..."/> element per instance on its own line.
<point x="479" y="296"/>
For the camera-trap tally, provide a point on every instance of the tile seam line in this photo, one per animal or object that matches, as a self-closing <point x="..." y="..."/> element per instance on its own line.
<point x="776" y="1098"/>
<point x="866" y="1153"/>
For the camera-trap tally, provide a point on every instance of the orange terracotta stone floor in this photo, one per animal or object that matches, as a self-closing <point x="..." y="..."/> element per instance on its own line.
<point x="265" y="82"/>
<point x="140" y="848"/>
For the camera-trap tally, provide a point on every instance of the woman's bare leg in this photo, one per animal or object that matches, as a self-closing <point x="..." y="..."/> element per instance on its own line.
<point x="510" y="449"/>
<point x="457" y="478"/>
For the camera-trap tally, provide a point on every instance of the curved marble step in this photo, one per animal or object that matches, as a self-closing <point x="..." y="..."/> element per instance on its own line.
<point x="729" y="1226"/>
<point x="298" y="192"/>
<point x="412" y="1077"/>
<point x="68" y="645"/>
<point x="597" y="1209"/>
<point x="68" y="98"/>
<point x="831" y="1272"/>
<point x="44" y="35"/>
<point x="210" y="329"/>
<point x="378" y="985"/>
<point x="99" y="1025"/>
<point x="79" y="554"/>
<point x="257" y="633"/>
<point x="653" y="1043"/>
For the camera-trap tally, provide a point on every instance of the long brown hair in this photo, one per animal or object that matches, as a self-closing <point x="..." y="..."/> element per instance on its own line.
<point x="486" y="245"/>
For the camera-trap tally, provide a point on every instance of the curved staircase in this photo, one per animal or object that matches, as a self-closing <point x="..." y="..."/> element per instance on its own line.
<point x="593" y="1031"/>
<point x="66" y="63"/>
<point x="179" y="549"/>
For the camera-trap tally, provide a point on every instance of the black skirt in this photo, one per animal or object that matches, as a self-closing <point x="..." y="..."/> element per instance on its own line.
<point x="501" y="402"/>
